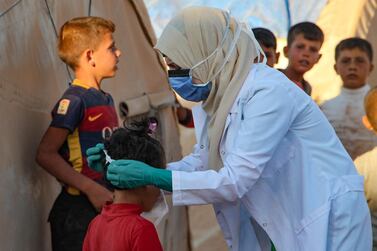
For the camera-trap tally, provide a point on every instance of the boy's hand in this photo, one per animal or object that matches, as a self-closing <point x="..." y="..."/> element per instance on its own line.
<point x="98" y="196"/>
<point x="94" y="156"/>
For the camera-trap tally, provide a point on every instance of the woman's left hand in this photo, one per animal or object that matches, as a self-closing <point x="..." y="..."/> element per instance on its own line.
<point x="130" y="174"/>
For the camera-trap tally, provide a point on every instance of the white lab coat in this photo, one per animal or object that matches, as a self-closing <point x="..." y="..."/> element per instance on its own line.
<point x="286" y="175"/>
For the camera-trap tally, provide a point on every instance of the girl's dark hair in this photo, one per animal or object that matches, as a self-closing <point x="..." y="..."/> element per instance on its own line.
<point x="135" y="142"/>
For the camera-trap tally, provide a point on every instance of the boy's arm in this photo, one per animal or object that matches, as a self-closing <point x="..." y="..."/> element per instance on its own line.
<point x="49" y="158"/>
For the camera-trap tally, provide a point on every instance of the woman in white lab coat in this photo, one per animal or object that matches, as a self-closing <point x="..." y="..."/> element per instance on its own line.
<point x="266" y="157"/>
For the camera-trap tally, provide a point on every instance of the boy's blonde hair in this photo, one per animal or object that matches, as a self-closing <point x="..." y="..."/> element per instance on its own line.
<point x="370" y="105"/>
<point x="80" y="34"/>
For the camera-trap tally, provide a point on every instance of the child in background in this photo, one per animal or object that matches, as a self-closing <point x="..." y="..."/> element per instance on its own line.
<point x="82" y="117"/>
<point x="120" y="227"/>
<point x="366" y="164"/>
<point x="267" y="41"/>
<point x="303" y="44"/>
<point x="353" y="58"/>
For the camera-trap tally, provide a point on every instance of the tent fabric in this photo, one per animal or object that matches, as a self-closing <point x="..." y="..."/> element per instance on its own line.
<point x="367" y="29"/>
<point x="32" y="78"/>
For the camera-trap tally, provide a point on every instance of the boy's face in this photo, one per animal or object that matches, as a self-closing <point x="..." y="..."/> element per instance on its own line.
<point x="353" y="66"/>
<point x="106" y="57"/>
<point x="303" y="54"/>
<point x="150" y="197"/>
<point x="271" y="55"/>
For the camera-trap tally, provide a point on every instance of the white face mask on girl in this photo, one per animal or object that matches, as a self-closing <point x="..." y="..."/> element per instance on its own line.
<point x="159" y="210"/>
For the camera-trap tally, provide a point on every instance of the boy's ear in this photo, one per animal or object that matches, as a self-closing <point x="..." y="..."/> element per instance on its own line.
<point x="286" y="50"/>
<point x="366" y="123"/>
<point x="371" y="67"/>
<point x="89" y="57"/>
<point x="277" y="57"/>
<point x="319" y="57"/>
<point x="336" y="69"/>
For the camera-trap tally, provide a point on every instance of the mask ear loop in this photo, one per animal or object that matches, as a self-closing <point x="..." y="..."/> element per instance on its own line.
<point x="258" y="48"/>
<point x="107" y="158"/>
<point x="227" y="20"/>
<point x="231" y="48"/>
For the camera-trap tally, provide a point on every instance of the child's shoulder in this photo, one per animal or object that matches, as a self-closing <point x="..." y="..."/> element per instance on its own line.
<point x="72" y="96"/>
<point x="78" y="94"/>
<point x="140" y="224"/>
<point x="333" y="102"/>
<point x="76" y="91"/>
<point x="143" y="222"/>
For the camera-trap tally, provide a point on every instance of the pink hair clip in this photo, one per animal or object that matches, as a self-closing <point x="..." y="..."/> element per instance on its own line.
<point x="152" y="125"/>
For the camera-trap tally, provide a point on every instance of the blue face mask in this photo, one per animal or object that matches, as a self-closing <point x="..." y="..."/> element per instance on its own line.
<point x="184" y="86"/>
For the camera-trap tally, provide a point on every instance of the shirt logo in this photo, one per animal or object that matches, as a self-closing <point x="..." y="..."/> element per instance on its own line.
<point x="63" y="106"/>
<point x="92" y="118"/>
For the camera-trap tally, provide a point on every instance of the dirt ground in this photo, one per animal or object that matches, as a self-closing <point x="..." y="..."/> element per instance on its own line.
<point x="205" y="231"/>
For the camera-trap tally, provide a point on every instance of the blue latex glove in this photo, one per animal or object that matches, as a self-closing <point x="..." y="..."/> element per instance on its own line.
<point x="132" y="173"/>
<point x="94" y="157"/>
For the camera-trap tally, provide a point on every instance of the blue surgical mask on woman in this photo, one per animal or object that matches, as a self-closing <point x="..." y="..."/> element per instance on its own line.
<point x="181" y="82"/>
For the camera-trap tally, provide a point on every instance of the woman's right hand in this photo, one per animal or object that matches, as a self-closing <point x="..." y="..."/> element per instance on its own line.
<point x="94" y="157"/>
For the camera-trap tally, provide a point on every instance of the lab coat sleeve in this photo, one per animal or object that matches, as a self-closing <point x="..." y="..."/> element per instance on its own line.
<point x="265" y="119"/>
<point x="191" y="162"/>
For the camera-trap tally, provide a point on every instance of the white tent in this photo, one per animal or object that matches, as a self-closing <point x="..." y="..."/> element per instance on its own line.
<point x="31" y="80"/>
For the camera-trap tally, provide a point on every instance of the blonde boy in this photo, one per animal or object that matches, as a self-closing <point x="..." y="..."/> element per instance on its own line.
<point x="81" y="118"/>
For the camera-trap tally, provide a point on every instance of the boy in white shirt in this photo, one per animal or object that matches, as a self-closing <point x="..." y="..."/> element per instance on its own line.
<point x="354" y="64"/>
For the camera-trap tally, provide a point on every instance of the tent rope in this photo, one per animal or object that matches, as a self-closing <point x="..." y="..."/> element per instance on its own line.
<point x="90" y="8"/>
<point x="10" y="8"/>
<point x="51" y="19"/>
<point x="56" y="35"/>
<point x="289" y="17"/>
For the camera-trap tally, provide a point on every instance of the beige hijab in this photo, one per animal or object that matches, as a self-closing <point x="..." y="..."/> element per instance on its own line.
<point x="192" y="36"/>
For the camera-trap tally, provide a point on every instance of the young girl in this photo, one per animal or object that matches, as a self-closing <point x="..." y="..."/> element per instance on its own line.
<point x="120" y="226"/>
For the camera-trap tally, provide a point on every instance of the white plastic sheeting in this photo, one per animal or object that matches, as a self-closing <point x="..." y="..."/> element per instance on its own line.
<point x="276" y="15"/>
